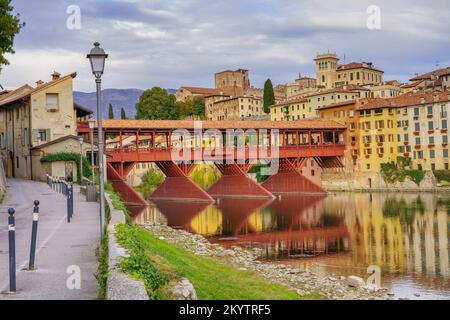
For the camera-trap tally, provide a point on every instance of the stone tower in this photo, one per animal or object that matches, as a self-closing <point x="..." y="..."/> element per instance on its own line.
<point x="326" y="67"/>
<point x="233" y="83"/>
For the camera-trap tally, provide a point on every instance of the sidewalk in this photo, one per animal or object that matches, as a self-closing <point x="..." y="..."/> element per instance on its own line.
<point x="59" y="244"/>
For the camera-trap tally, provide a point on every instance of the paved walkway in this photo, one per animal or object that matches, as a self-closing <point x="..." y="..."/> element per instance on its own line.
<point x="59" y="244"/>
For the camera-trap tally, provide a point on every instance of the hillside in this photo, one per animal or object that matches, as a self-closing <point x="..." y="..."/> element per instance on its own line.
<point x="126" y="98"/>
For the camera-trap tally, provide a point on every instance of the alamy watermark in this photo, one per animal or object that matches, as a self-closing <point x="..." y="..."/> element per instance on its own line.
<point x="236" y="146"/>
<point x="374" y="19"/>
<point x="73" y="22"/>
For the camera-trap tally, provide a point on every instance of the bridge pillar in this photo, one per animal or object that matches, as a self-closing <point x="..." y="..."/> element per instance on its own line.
<point x="177" y="185"/>
<point x="117" y="179"/>
<point x="289" y="179"/>
<point x="235" y="183"/>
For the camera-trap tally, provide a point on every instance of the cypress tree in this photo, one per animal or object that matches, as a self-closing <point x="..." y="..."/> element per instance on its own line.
<point x="269" y="96"/>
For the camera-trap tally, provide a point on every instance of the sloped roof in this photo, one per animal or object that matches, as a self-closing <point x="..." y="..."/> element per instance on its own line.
<point x="429" y="75"/>
<point x="405" y="100"/>
<point x="25" y="91"/>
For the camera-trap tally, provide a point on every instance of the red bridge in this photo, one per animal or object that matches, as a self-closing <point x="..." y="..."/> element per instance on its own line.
<point x="296" y="150"/>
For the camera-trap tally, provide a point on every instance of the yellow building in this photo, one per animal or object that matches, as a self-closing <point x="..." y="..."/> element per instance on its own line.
<point x="292" y="110"/>
<point x="346" y="114"/>
<point x="378" y="135"/>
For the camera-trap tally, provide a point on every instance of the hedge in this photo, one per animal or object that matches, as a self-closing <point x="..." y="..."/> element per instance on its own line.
<point x="70" y="156"/>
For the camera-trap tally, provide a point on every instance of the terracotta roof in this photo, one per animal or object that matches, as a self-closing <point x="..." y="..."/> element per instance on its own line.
<point x="27" y="93"/>
<point x="339" y="104"/>
<point x="205" y="91"/>
<point x="190" y="124"/>
<point x="429" y="75"/>
<point x="16" y="92"/>
<point x="358" y="65"/>
<point x="412" y="85"/>
<point x="405" y="100"/>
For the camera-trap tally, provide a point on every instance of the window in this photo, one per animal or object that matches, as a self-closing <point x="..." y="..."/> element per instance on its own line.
<point x="52" y="102"/>
<point x="42" y="135"/>
<point x="418" y="141"/>
<point x="444" y="124"/>
<point x="445" y="139"/>
<point x="417" y="127"/>
<point x="416" y="112"/>
<point x="430" y="126"/>
<point x="25" y="139"/>
<point x="430" y="110"/>
<point x="431" y="140"/>
<point x="432" y="154"/>
<point x="445" y="153"/>
<point x="17" y="162"/>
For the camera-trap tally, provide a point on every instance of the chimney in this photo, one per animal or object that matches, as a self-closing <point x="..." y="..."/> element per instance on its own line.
<point x="39" y="83"/>
<point x="55" y="75"/>
<point x="422" y="100"/>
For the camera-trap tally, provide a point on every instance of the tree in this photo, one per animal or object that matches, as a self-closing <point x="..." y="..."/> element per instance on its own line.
<point x="157" y="104"/>
<point x="194" y="108"/>
<point x="269" y="96"/>
<point x="10" y="25"/>
<point x="111" y="112"/>
<point x="151" y="180"/>
<point x="123" y="115"/>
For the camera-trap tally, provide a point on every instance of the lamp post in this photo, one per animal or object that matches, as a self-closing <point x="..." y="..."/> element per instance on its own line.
<point x="81" y="160"/>
<point x="91" y="123"/>
<point x="97" y="58"/>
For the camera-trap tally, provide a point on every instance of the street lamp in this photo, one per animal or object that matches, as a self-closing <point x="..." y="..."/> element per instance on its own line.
<point x="97" y="57"/>
<point x="81" y="160"/>
<point x="91" y="123"/>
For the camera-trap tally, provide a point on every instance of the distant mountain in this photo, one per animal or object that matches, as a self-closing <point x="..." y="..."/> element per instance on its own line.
<point x="126" y="98"/>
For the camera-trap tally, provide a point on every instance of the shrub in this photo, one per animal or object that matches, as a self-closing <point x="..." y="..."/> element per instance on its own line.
<point x="151" y="180"/>
<point x="70" y="156"/>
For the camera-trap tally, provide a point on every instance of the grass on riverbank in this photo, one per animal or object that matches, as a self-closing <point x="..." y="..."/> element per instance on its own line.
<point x="157" y="262"/>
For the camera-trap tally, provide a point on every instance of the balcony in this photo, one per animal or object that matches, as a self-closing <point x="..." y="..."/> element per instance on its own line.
<point x="418" y="147"/>
<point x="406" y="154"/>
<point x="417" y="133"/>
<point x="367" y="156"/>
<point x="380" y="144"/>
<point x="431" y="145"/>
<point x="429" y="116"/>
<point x="443" y="114"/>
<point x="367" y="145"/>
<point x="406" y="143"/>
<point x="444" y="131"/>
<point x="430" y="131"/>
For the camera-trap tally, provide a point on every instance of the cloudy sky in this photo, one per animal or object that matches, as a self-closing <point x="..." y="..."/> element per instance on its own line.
<point x="170" y="43"/>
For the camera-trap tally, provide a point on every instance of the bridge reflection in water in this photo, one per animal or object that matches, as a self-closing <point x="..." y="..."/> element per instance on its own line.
<point x="407" y="235"/>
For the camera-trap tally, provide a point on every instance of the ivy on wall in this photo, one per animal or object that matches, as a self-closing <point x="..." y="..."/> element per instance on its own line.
<point x="397" y="172"/>
<point x="69" y="156"/>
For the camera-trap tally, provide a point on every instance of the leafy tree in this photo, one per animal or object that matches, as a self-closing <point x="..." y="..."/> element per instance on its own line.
<point x="111" y="112"/>
<point x="192" y="108"/>
<point x="269" y="96"/>
<point x="151" y="180"/>
<point x="10" y="25"/>
<point x="157" y="104"/>
<point x="123" y="115"/>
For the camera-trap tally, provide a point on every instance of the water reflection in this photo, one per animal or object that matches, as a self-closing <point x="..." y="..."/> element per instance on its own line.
<point x="407" y="235"/>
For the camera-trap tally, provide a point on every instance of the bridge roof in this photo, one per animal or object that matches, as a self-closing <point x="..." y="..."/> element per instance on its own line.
<point x="190" y="124"/>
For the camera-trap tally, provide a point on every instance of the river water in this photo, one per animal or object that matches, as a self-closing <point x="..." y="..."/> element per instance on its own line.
<point x="342" y="234"/>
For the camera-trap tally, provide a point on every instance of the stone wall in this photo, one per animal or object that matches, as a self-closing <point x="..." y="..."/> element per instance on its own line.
<point x="120" y="286"/>
<point x="341" y="181"/>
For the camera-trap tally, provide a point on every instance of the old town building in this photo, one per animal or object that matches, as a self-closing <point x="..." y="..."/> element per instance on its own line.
<point x="34" y="119"/>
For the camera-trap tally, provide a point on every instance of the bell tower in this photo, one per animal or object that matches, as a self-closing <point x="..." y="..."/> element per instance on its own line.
<point x="326" y="67"/>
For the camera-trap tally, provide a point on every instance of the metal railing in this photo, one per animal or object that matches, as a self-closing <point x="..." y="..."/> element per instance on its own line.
<point x="66" y="189"/>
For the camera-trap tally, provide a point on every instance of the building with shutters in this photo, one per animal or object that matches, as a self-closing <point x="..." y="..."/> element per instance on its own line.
<point x="35" y="116"/>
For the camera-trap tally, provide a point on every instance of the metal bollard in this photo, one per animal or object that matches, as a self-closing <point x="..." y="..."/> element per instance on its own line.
<point x="69" y="193"/>
<point x="12" y="250"/>
<point x="34" y="235"/>
<point x="71" y="200"/>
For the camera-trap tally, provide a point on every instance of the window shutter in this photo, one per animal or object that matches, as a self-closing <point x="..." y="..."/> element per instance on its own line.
<point x="47" y="134"/>
<point x="35" y="135"/>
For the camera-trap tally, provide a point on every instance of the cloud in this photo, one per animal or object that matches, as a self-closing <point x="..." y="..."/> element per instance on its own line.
<point x="183" y="42"/>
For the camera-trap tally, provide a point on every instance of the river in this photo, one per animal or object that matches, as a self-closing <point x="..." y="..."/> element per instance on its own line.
<point x="406" y="235"/>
